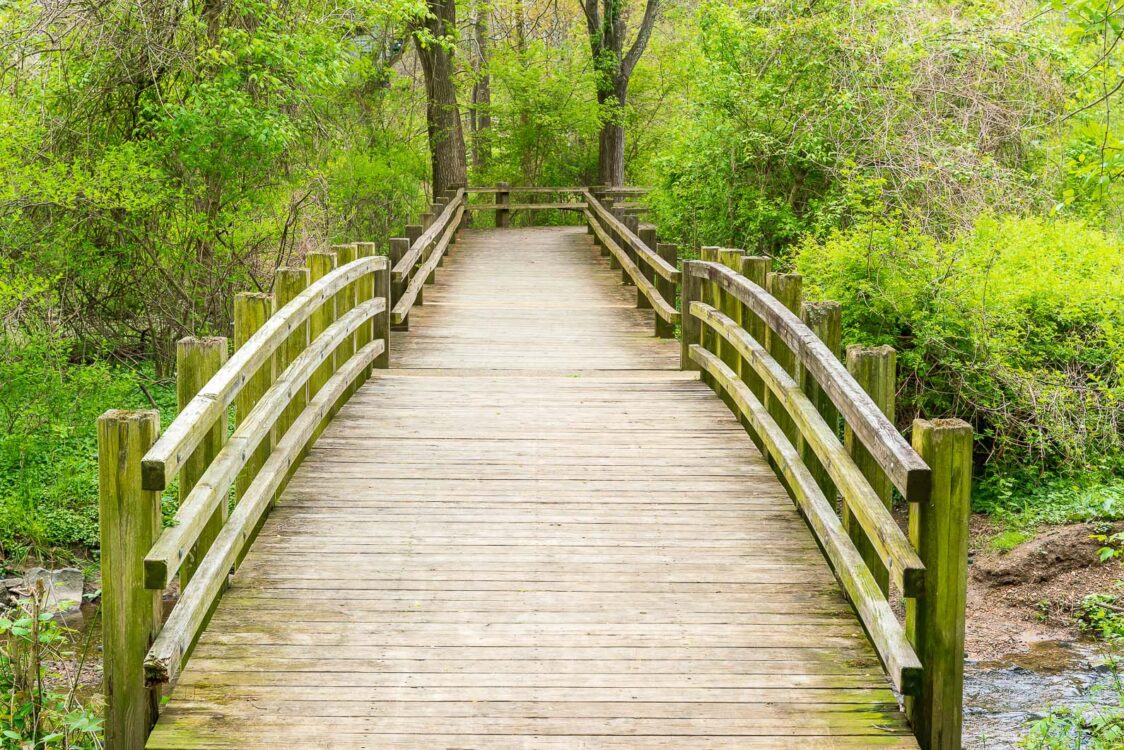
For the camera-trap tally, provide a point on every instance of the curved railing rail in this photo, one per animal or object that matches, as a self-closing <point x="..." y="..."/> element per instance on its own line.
<point x="416" y="257"/>
<point x="300" y="353"/>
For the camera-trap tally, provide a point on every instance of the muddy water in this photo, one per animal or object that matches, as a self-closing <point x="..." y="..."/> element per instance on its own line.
<point x="1004" y="697"/>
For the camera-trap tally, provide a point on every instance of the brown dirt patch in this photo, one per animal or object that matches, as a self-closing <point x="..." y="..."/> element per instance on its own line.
<point x="1030" y="594"/>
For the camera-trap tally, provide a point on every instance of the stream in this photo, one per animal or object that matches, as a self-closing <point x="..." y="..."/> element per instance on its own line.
<point x="1003" y="698"/>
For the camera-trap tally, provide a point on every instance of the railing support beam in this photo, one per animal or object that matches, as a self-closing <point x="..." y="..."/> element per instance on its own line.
<point x="935" y="620"/>
<point x="130" y="522"/>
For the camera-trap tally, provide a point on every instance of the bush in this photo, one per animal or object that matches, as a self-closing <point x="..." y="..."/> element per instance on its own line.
<point x="1016" y="325"/>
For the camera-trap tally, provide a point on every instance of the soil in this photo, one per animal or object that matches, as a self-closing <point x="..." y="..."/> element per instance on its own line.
<point x="1029" y="595"/>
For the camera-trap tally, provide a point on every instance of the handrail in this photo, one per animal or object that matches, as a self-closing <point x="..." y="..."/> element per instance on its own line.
<point x="403" y="267"/>
<point x="890" y="543"/>
<point x="195" y="420"/>
<point x="175" y="542"/>
<point x="874" y="610"/>
<point x="905" y="468"/>
<point x="663" y="308"/>
<point x="165" y="657"/>
<point x="409" y="296"/>
<point x="662" y="267"/>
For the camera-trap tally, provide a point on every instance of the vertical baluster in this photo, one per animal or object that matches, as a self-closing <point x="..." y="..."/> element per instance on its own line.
<point x="825" y="319"/>
<point x="197" y="359"/>
<point x="287" y="284"/>
<point x="666" y="288"/>
<point x="251" y="311"/>
<point x="364" y="291"/>
<point x="647" y="235"/>
<point x="129" y="524"/>
<point x="381" y="323"/>
<point x="320" y="264"/>
<point x="503" y="216"/>
<point x="413" y="232"/>
<point x="756" y="269"/>
<point x="399" y="246"/>
<point x="875" y="369"/>
<point x="690" y="290"/>
<point x="345" y="301"/>
<point x="787" y="289"/>
<point x="935" y="620"/>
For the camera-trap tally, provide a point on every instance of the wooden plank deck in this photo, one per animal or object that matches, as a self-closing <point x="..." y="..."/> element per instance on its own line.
<point x="533" y="532"/>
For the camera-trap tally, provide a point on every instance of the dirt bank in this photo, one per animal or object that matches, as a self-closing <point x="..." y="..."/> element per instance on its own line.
<point x="1030" y="594"/>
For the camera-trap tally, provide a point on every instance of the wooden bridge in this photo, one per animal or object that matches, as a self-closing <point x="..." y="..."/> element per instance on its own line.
<point x="523" y="519"/>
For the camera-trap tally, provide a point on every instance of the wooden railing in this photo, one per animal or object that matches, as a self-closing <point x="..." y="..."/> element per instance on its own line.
<point x="775" y="360"/>
<point x="301" y="352"/>
<point x="417" y="256"/>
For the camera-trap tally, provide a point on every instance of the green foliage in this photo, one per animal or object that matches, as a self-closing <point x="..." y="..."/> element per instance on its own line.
<point x="39" y="707"/>
<point x="1005" y="541"/>
<point x="1015" y="325"/>
<point x="1101" y="615"/>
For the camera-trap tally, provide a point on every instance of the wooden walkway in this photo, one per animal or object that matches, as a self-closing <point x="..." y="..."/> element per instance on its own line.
<point x="533" y="531"/>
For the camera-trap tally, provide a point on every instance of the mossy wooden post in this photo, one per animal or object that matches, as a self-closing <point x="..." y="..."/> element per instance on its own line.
<point x="380" y="281"/>
<point x="287" y="284"/>
<point x="690" y="290"/>
<point x="756" y="269"/>
<point x="364" y="291"/>
<point x="503" y="216"/>
<point x="647" y="235"/>
<point x="197" y="359"/>
<point x="875" y="369"/>
<point x="787" y="288"/>
<point x="399" y="246"/>
<point x="320" y="264"/>
<point x="607" y="204"/>
<point x="345" y="301"/>
<point x="670" y="253"/>
<point x="825" y="319"/>
<point x="129" y="524"/>
<point x="251" y="311"/>
<point x="732" y="259"/>
<point x="711" y="294"/>
<point x="633" y="226"/>
<point x="935" y="621"/>
<point x="413" y="232"/>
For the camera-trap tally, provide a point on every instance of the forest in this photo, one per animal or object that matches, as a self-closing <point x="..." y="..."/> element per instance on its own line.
<point x="955" y="168"/>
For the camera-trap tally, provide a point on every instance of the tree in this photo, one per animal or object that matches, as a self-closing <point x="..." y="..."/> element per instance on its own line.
<point x="446" y="136"/>
<point x="480" y="115"/>
<point x="606" y="21"/>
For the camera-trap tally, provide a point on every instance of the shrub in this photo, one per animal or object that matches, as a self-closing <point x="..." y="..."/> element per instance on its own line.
<point x="1016" y="325"/>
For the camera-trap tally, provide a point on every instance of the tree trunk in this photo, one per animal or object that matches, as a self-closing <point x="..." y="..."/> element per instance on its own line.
<point x="482" y="97"/>
<point x="610" y="161"/>
<point x="443" y="119"/>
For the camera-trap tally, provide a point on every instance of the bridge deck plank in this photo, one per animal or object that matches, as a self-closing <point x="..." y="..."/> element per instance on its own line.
<point x="533" y="532"/>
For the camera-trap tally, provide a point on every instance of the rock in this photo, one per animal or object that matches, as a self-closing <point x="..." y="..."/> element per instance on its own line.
<point x="63" y="588"/>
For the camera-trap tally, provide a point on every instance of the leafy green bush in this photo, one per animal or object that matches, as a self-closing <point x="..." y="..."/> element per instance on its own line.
<point x="1016" y="325"/>
<point x="38" y="706"/>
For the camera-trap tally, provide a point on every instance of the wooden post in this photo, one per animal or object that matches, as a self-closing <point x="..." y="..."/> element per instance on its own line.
<point x="197" y="359"/>
<point x="381" y="323"/>
<point x="732" y="259"/>
<point x="935" y="620"/>
<point x="364" y="291"/>
<point x="756" y="269"/>
<point x="607" y="204"/>
<point x="690" y="290"/>
<point x="787" y="288"/>
<point x="711" y="294"/>
<point x="666" y="288"/>
<point x="130" y="521"/>
<point x="825" y="319"/>
<point x="399" y="246"/>
<point x="287" y="284"/>
<point x="413" y="232"/>
<point x="251" y="311"/>
<point x="503" y="216"/>
<point x="647" y="235"/>
<point x="875" y="369"/>
<point x="345" y="301"/>
<point x="631" y="225"/>
<point x="320" y="264"/>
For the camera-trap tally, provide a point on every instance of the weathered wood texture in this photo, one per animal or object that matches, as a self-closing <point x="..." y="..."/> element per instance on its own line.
<point x="533" y="531"/>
